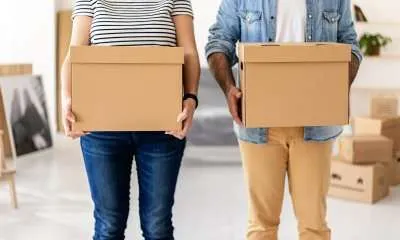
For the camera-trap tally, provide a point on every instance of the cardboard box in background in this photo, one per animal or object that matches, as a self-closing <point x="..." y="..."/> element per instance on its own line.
<point x="290" y="85"/>
<point x="364" y="183"/>
<point x="391" y="170"/>
<point x="389" y="127"/>
<point x="384" y="107"/>
<point x="10" y="70"/>
<point x="397" y="178"/>
<point x="126" y="88"/>
<point x="366" y="149"/>
<point x="64" y="30"/>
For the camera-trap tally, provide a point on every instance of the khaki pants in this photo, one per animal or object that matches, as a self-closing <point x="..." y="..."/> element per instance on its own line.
<point x="308" y="167"/>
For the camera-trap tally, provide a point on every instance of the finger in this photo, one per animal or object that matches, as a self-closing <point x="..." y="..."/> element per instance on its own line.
<point x="182" y="116"/>
<point x="177" y="135"/>
<point x="172" y="133"/>
<point x="186" y="127"/>
<point x="233" y="107"/>
<point x="238" y="94"/>
<point x="235" y="114"/>
<point x="67" y="127"/>
<point x="75" y="135"/>
<point x="71" y="117"/>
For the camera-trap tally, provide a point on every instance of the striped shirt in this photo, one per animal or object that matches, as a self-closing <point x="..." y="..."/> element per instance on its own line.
<point x="132" y="22"/>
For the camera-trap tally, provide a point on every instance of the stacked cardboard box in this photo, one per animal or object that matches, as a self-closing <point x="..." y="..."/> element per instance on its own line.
<point x="368" y="162"/>
<point x="359" y="172"/>
<point x="365" y="183"/>
<point x="397" y="176"/>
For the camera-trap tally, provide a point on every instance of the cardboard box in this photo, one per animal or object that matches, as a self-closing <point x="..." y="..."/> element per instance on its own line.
<point x="364" y="183"/>
<point x="384" y="107"/>
<point x="291" y="85"/>
<point x="126" y="88"/>
<point x="392" y="173"/>
<point x="388" y="127"/>
<point x="366" y="149"/>
<point x="396" y="180"/>
<point x="64" y="30"/>
<point x="10" y="70"/>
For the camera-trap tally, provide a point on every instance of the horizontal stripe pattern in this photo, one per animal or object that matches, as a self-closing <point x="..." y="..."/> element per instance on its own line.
<point x="132" y="22"/>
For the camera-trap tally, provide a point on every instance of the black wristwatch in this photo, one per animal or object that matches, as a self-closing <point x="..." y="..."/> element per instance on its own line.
<point x="192" y="96"/>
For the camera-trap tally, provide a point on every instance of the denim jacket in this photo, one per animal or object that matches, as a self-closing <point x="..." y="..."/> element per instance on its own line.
<point x="255" y="21"/>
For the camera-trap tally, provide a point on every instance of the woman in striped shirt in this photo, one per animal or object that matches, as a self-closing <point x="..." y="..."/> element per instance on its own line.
<point x="108" y="155"/>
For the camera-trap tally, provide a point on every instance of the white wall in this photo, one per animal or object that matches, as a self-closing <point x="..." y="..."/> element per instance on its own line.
<point x="64" y="4"/>
<point x="205" y="14"/>
<point x="28" y="36"/>
<point x="380" y="10"/>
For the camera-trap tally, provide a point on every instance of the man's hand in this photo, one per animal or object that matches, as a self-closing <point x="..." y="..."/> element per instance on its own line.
<point x="186" y="118"/>
<point x="233" y="98"/>
<point x="353" y="68"/>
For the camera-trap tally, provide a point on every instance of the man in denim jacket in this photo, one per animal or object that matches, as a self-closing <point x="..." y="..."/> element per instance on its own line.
<point x="269" y="154"/>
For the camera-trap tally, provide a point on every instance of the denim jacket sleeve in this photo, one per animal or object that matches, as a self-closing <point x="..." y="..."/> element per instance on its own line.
<point x="346" y="32"/>
<point x="224" y="34"/>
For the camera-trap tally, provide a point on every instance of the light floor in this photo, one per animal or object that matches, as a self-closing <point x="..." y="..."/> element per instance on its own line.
<point x="210" y="202"/>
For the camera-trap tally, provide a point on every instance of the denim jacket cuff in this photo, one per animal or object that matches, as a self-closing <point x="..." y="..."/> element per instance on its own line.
<point x="356" y="51"/>
<point x="222" y="47"/>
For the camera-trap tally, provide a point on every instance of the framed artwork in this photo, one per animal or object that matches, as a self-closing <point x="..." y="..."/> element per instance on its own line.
<point x="26" y="114"/>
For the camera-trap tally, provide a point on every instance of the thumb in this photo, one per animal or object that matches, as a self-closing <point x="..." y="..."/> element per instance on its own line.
<point x="71" y="117"/>
<point x="182" y="116"/>
<point x="238" y="94"/>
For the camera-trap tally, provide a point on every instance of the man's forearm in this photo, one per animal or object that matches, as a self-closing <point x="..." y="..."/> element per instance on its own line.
<point x="353" y="69"/>
<point x="222" y="71"/>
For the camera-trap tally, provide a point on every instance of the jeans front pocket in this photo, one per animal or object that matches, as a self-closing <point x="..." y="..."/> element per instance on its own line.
<point x="250" y="25"/>
<point x="330" y="24"/>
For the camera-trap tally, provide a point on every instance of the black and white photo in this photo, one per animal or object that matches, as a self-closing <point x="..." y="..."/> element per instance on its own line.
<point x="26" y="112"/>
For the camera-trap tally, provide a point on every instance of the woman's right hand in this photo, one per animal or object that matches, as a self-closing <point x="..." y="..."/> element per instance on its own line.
<point x="69" y="118"/>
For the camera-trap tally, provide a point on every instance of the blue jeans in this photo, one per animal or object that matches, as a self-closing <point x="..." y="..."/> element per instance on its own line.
<point x="108" y="160"/>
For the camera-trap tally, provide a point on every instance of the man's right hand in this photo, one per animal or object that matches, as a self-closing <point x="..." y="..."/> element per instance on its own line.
<point x="68" y="119"/>
<point x="233" y="97"/>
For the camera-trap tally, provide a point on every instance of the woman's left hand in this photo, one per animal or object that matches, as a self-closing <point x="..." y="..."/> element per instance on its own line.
<point x="186" y="118"/>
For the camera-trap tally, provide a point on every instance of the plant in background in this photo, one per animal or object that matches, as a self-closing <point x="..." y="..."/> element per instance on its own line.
<point x="371" y="44"/>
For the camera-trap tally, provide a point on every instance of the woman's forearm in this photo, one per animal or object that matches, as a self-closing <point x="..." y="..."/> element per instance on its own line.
<point x="191" y="72"/>
<point x="66" y="79"/>
<point x="80" y="37"/>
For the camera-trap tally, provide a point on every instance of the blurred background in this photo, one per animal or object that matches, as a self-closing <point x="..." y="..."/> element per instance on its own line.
<point x="51" y="186"/>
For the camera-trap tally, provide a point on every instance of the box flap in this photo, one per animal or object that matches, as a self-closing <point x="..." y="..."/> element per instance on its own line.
<point x="368" y="138"/>
<point x="150" y="54"/>
<point x="363" y="123"/>
<point x="302" y="52"/>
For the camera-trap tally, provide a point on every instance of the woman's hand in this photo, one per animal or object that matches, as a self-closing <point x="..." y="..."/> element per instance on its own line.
<point x="186" y="118"/>
<point x="69" y="118"/>
<point x="80" y="37"/>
